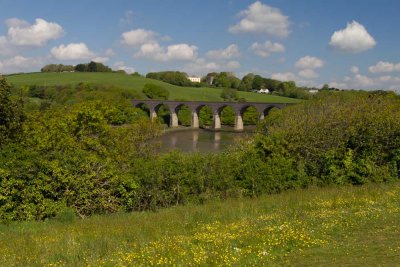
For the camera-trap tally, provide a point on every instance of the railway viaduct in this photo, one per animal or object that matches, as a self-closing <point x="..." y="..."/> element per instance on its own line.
<point x="216" y="107"/>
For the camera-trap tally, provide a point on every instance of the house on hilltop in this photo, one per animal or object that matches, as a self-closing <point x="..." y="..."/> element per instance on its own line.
<point x="194" y="79"/>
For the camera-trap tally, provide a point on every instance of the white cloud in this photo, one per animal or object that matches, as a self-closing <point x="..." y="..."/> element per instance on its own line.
<point x="309" y="62"/>
<point x="181" y="52"/>
<point x="73" y="51"/>
<point x="353" y="39"/>
<point x="146" y="45"/>
<point x="363" y="81"/>
<point x="308" y="74"/>
<point x="233" y="65"/>
<point x="120" y="65"/>
<point x="200" y="66"/>
<point x="20" y="63"/>
<point x="384" y="79"/>
<point x="6" y="48"/>
<point x="100" y="59"/>
<point x="383" y="66"/>
<point x="149" y="50"/>
<point x="265" y="49"/>
<point x="284" y="76"/>
<point x="127" y="19"/>
<point x="109" y="52"/>
<point x="338" y="85"/>
<point x="176" y="52"/>
<point x="38" y="34"/>
<point x="354" y="70"/>
<point x="138" y="37"/>
<point x="232" y="51"/>
<point x="15" y="22"/>
<point x="359" y="81"/>
<point x="261" y="18"/>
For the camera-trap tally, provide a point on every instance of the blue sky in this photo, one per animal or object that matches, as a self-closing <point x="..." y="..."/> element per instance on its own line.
<point x="348" y="44"/>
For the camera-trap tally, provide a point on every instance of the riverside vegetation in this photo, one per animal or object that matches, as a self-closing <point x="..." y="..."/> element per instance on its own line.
<point x="91" y="157"/>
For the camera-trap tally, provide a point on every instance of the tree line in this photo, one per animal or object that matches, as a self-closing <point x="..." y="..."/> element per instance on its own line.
<point x="172" y="77"/>
<point x="250" y="82"/>
<point x="82" y="67"/>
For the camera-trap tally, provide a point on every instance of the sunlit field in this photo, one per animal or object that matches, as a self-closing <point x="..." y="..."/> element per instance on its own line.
<point x="329" y="226"/>
<point x="136" y="85"/>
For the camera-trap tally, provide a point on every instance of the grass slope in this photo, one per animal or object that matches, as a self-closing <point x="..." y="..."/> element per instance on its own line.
<point x="136" y="84"/>
<point x="346" y="226"/>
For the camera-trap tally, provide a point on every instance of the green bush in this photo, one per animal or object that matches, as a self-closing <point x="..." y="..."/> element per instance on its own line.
<point x="345" y="137"/>
<point x="229" y="94"/>
<point x="154" y="91"/>
<point x="11" y="114"/>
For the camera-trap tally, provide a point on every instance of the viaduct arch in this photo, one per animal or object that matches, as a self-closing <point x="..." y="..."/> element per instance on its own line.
<point x="216" y="107"/>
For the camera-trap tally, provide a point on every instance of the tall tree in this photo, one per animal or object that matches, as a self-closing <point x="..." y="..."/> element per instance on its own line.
<point x="247" y="82"/>
<point x="258" y="82"/>
<point x="11" y="114"/>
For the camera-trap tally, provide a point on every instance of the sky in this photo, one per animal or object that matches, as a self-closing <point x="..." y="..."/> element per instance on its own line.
<point x="346" y="44"/>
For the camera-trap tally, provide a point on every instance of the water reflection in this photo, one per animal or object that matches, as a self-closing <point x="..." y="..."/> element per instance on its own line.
<point x="199" y="140"/>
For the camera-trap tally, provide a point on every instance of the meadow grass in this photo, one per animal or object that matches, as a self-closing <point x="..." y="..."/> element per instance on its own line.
<point x="319" y="226"/>
<point x="136" y="84"/>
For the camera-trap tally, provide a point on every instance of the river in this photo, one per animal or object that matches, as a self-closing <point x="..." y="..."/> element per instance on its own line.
<point x="200" y="140"/>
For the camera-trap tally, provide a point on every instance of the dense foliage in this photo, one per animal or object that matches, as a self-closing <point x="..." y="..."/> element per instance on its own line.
<point x="57" y="68"/>
<point x="92" y="67"/>
<point x="228" y="94"/>
<point x="154" y="91"/>
<point x="82" y="67"/>
<point x="340" y="138"/>
<point x="11" y="115"/>
<point x="172" y="77"/>
<point x="251" y="82"/>
<point x="72" y="155"/>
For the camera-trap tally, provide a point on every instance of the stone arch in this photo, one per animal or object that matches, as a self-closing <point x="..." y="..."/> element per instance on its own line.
<point x="166" y="113"/>
<point x="145" y="107"/>
<point x="227" y="114"/>
<point x="221" y="107"/>
<point x="204" y="114"/>
<point x="268" y="109"/>
<point x="250" y="119"/>
<point x="160" y="104"/>
<point x="184" y="113"/>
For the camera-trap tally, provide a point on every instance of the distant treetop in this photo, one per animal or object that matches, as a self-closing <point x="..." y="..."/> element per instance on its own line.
<point x="82" y="67"/>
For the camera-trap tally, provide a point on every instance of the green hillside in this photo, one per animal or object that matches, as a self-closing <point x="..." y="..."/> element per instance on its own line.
<point x="136" y="84"/>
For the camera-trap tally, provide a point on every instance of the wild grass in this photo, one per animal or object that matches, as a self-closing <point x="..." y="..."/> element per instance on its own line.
<point x="319" y="226"/>
<point x="136" y="84"/>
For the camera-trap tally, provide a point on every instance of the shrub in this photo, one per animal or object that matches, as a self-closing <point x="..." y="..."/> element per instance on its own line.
<point x="229" y="94"/>
<point x="154" y="91"/>
<point x="346" y="137"/>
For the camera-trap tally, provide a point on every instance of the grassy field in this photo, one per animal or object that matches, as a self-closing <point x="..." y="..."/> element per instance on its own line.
<point x="340" y="226"/>
<point x="136" y="84"/>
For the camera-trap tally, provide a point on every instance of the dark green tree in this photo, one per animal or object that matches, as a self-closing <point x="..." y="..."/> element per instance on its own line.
<point x="154" y="91"/>
<point x="11" y="114"/>
<point x="92" y="67"/>
<point x="229" y="94"/>
<point x="81" y="67"/>
<point x="258" y="82"/>
<point x="247" y="82"/>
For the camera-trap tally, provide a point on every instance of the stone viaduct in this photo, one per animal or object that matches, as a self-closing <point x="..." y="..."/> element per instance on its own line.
<point x="216" y="107"/>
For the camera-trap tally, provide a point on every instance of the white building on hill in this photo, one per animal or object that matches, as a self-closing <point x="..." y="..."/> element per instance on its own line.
<point x="194" y="79"/>
<point x="263" y="91"/>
